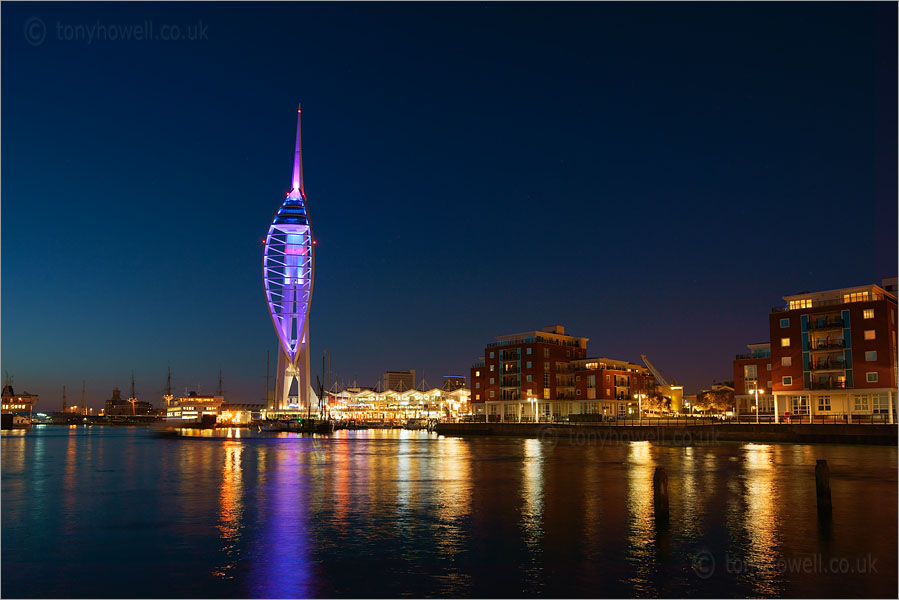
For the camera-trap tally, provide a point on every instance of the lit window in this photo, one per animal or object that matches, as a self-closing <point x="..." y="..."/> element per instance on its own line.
<point x="784" y="322"/>
<point x="477" y="373"/>
<point x="870" y="334"/>
<point x="804" y="303"/>
<point x="608" y="392"/>
<point x="787" y="380"/>
<point x="855" y="297"/>
<point x="477" y="396"/>
<point x="786" y="361"/>
<point x="868" y="313"/>
<point x="861" y="402"/>
<point x="824" y="403"/>
<point x="871" y="377"/>
<point x="750" y="372"/>
<point x="546" y="393"/>
<point x="871" y="355"/>
<point x="785" y="342"/>
<point x="591" y="365"/>
<point x="491" y="367"/>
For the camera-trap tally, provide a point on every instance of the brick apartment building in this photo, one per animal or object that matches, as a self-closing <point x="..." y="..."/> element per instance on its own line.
<point x="546" y="375"/>
<point x="832" y="354"/>
<point x="753" y="371"/>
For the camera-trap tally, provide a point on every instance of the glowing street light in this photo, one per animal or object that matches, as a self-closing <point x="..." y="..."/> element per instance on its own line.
<point x="755" y="392"/>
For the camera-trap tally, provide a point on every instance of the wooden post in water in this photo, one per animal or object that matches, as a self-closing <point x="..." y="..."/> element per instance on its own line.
<point x="822" y="490"/>
<point x="660" y="494"/>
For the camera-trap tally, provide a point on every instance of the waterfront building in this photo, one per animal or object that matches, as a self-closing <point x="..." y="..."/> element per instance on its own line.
<point x="832" y="355"/>
<point x="753" y="389"/>
<point x="19" y="405"/>
<point x="119" y="407"/>
<point x="453" y="382"/>
<point x="399" y="380"/>
<point x="288" y="271"/>
<point x="239" y="414"/>
<point x="546" y="375"/>
<point x="367" y="404"/>
<point x="193" y="406"/>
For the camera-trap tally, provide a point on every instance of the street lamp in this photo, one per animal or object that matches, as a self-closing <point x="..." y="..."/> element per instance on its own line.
<point x="640" y="406"/>
<point x="755" y="392"/>
<point x="533" y="402"/>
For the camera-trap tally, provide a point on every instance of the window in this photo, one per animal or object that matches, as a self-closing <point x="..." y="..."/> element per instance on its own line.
<point x="769" y="383"/>
<point x="880" y="403"/>
<point x="607" y="379"/>
<point x="750" y="372"/>
<point x="546" y="393"/>
<point x="868" y="313"/>
<point x="577" y="377"/>
<point x="871" y="355"/>
<point x="823" y="403"/>
<point x="546" y="380"/>
<point x="530" y="350"/>
<point x="579" y="392"/>
<point x="870" y="334"/>
<point x="492" y="393"/>
<point x="786" y="361"/>
<point x="855" y="297"/>
<point x="546" y="366"/>
<point x="477" y="396"/>
<point x="784" y="322"/>
<point x="491" y="355"/>
<point x="546" y="353"/>
<point x="491" y="367"/>
<point x="804" y="303"/>
<point x="528" y="363"/>
<point x="530" y="378"/>
<point x="591" y="381"/>
<point x="477" y="386"/>
<point x="768" y="366"/>
<point x="861" y="402"/>
<point x="786" y="380"/>
<point x="871" y="377"/>
<point x="608" y="392"/>
<point x="492" y="380"/>
<point x="799" y="405"/>
<point x="568" y="353"/>
<point x="477" y="373"/>
<point x="785" y="342"/>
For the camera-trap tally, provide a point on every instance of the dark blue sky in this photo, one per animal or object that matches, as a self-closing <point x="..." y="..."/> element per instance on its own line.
<point x="653" y="176"/>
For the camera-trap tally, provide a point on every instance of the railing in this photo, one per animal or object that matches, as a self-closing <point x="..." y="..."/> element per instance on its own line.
<point x="815" y="325"/>
<point x="681" y="421"/>
<point x="827" y="385"/>
<point x="831" y="302"/>
<point x="766" y="354"/>
<point x="828" y="345"/>
<point x="823" y="365"/>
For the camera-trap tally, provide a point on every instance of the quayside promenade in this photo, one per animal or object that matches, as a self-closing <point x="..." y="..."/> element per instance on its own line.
<point x="684" y="434"/>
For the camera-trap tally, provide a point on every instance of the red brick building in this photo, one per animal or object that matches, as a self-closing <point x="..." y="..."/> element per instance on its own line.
<point x="833" y="353"/>
<point x="546" y="375"/>
<point x="753" y="371"/>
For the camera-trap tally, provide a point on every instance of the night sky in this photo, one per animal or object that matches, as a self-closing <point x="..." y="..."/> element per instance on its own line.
<point x="653" y="176"/>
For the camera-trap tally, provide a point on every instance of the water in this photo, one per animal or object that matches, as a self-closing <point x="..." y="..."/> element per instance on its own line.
<point x="116" y="512"/>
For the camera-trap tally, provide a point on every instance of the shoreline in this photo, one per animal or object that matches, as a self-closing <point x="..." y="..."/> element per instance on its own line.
<point x="876" y="434"/>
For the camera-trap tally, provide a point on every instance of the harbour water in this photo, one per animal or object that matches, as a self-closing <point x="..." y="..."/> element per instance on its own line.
<point x="116" y="512"/>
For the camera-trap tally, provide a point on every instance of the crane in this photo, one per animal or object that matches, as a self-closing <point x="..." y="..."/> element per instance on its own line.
<point x="655" y="372"/>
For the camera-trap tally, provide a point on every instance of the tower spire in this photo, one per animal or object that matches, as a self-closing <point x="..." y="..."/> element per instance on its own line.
<point x="297" y="183"/>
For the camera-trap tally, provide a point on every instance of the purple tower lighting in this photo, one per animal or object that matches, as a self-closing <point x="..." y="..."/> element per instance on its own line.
<point x="287" y="272"/>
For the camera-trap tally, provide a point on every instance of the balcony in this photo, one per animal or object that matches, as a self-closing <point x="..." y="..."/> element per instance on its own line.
<point x="826" y="345"/>
<point x="508" y="370"/>
<point x="828" y="384"/>
<point x="822" y="324"/>
<point x="759" y="354"/>
<point x="828" y="365"/>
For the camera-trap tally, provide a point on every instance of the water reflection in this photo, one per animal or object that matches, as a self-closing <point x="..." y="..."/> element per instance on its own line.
<point x="641" y="522"/>
<point x="231" y="509"/>
<point x="760" y="518"/>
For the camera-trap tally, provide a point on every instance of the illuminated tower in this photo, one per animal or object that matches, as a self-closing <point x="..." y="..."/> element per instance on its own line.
<point x="287" y="273"/>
